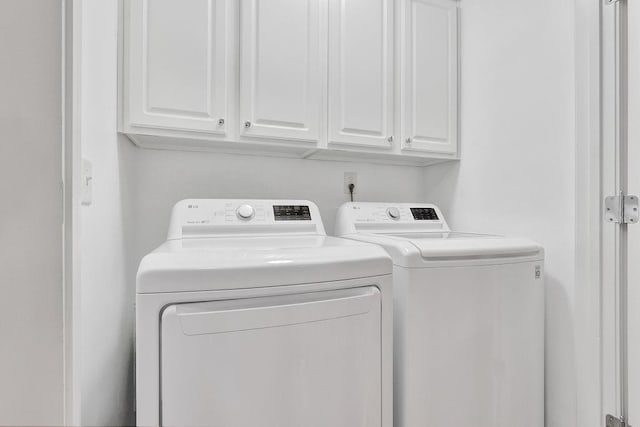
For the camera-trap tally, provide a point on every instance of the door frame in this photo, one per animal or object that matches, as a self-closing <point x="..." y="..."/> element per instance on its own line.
<point x="613" y="181"/>
<point x="592" y="176"/>
<point x="596" y="314"/>
<point x="71" y="184"/>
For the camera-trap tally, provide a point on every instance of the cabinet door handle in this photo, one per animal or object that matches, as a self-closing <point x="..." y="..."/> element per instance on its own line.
<point x="390" y="140"/>
<point x="408" y="141"/>
<point x="247" y="124"/>
<point x="221" y="122"/>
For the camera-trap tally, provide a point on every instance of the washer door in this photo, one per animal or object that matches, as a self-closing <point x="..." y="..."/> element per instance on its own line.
<point x="308" y="360"/>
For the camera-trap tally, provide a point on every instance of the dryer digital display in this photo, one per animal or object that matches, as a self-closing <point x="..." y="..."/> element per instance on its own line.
<point x="424" y="214"/>
<point x="291" y="213"/>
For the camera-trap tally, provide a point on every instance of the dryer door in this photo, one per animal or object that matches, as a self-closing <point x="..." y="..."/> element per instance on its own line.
<point x="308" y="360"/>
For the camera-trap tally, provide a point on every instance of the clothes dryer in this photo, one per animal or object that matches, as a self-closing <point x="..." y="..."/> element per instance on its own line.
<point x="249" y="315"/>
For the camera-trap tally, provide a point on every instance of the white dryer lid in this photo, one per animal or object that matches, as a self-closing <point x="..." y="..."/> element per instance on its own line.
<point x="186" y="265"/>
<point x="221" y="244"/>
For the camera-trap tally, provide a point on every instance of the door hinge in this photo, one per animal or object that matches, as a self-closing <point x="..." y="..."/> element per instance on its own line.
<point x="621" y="209"/>
<point x="616" y="422"/>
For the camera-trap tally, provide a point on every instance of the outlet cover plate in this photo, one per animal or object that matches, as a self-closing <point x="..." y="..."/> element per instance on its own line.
<point x="350" y="178"/>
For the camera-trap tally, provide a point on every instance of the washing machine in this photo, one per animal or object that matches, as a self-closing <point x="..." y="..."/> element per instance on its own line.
<point x="249" y="315"/>
<point x="469" y="318"/>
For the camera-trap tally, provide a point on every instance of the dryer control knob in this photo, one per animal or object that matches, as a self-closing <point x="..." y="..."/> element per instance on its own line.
<point x="394" y="213"/>
<point x="245" y="212"/>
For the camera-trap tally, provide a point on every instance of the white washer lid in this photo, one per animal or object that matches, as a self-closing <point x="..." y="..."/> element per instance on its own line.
<point x="257" y="261"/>
<point x="451" y="245"/>
<point x="434" y="249"/>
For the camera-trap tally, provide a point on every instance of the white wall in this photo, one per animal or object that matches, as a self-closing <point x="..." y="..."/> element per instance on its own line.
<point x="516" y="177"/>
<point x="164" y="177"/>
<point x="31" y="288"/>
<point x="517" y="172"/>
<point x="107" y="393"/>
<point x="134" y="191"/>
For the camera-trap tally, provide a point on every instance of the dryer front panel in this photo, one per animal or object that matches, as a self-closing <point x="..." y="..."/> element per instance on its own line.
<point x="310" y="360"/>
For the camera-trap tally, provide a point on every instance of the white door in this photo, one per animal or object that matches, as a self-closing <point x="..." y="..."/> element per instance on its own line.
<point x="282" y="68"/>
<point x="177" y="61"/>
<point x="308" y="360"/>
<point x="361" y="73"/>
<point x="429" y="80"/>
<point x="633" y="282"/>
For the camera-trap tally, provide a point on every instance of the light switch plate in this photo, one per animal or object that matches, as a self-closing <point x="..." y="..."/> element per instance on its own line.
<point x="87" y="182"/>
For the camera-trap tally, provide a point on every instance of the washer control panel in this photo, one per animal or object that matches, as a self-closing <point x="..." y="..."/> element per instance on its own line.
<point x="388" y="217"/>
<point x="215" y="217"/>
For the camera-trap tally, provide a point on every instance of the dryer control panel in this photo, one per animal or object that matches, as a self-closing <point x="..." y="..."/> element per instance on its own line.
<point x="424" y="214"/>
<point x="201" y="218"/>
<point x="291" y="213"/>
<point x="374" y="217"/>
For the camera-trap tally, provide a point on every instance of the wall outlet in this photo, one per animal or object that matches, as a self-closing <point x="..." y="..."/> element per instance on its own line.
<point x="350" y="178"/>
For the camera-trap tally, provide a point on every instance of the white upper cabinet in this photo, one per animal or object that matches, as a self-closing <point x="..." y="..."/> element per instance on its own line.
<point x="177" y="66"/>
<point x="429" y="76"/>
<point x="329" y="79"/>
<point x="282" y="69"/>
<point x="361" y="76"/>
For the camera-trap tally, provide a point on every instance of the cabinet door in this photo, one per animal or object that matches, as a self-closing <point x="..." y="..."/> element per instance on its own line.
<point x="177" y="64"/>
<point x="282" y="61"/>
<point x="361" y="72"/>
<point x="429" y="84"/>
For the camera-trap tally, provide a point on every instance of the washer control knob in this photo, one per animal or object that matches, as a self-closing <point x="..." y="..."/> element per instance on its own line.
<point x="245" y="212"/>
<point x="394" y="213"/>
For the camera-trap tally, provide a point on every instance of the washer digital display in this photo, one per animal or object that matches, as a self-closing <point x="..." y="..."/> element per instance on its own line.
<point x="424" y="214"/>
<point x="291" y="213"/>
